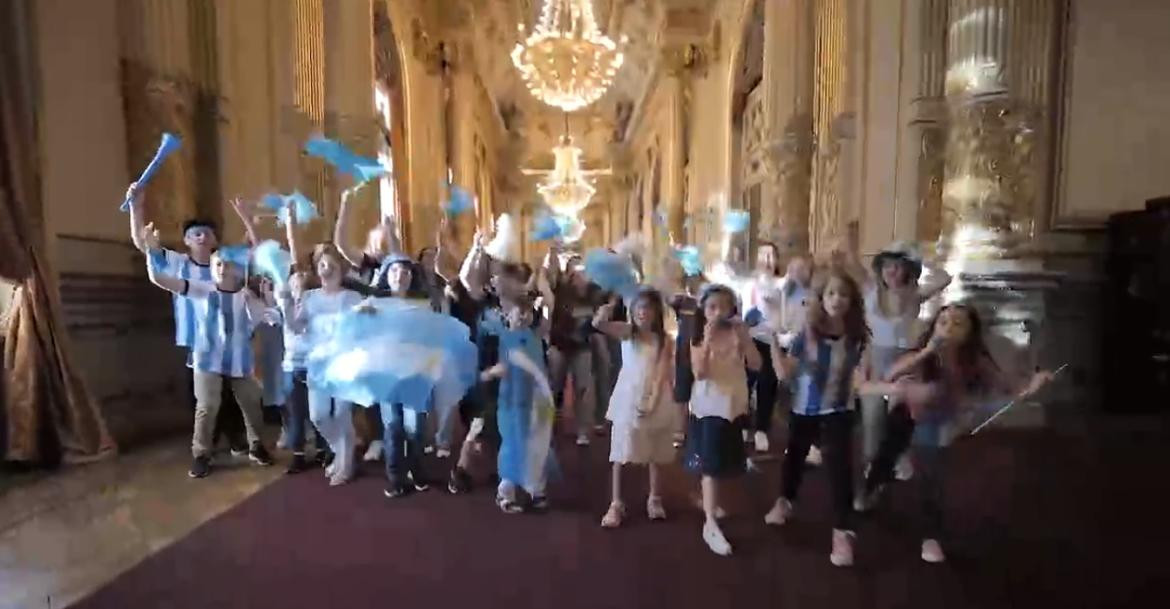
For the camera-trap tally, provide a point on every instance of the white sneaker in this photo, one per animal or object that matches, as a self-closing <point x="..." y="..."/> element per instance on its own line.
<point x="904" y="469"/>
<point x="842" y="555"/>
<point x="374" y="452"/>
<point x="814" y="456"/>
<point x="780" y="513"/>
<point x="442" y="453"/>
<point x="582" y="439"/>
<point x="932" y="551"/>
<point x="715" y="539"/>
<point x="282" y="442"/>
<point x="761" y="442"/>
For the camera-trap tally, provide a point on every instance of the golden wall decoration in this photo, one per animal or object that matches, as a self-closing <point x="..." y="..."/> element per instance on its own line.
<point x="830" y="56"/>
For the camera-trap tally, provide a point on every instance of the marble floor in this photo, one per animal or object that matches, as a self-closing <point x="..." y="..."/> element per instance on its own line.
<point x="64" y="535"/>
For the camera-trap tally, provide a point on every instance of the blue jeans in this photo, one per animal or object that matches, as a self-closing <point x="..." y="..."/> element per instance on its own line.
<point x="298" y="414"/>
<point x="404" y="439"/>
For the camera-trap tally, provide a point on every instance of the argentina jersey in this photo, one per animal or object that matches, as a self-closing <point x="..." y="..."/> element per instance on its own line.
<point x="186" y="311"/>
<point x="223" y="335"/>
<point x="824" y="381"/>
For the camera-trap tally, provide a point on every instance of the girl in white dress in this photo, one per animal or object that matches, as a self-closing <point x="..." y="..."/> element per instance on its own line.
<point x="641" y="406"/>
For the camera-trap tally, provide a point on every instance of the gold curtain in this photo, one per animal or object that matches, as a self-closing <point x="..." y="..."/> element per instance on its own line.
<point x="48" y="415"/>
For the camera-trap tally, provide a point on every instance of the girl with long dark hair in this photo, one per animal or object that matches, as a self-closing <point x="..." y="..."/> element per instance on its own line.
<point x="822" y="365"/>
<point x="931" y="387"/>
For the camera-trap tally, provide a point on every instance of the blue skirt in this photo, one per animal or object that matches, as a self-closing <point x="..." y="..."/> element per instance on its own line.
<point x="715" y="446"/>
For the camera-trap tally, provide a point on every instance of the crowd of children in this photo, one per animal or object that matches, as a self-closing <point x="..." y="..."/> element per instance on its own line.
<point x="494" y="346"/>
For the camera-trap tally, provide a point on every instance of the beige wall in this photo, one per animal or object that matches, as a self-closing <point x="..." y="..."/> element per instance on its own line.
<point x="1117" y="109"/>
<point x="82" y="130"/>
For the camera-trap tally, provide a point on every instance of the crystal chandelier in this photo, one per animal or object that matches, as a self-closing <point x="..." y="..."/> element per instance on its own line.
<point x="567" y="189"/>
<point x="566" y="61"/>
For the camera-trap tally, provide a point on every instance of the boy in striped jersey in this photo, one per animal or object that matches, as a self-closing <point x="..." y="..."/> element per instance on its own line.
<point x="225" y="314"/>
<point x="200" y="237"/>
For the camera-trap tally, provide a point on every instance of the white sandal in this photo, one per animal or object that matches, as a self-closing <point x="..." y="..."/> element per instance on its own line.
<point x="613" y="518"/>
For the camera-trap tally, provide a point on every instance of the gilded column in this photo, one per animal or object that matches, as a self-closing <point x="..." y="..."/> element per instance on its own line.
<point x="161" y="93"/>
<point x="830" y="122"/>
<point x="788" y="102"/>
<point x="678" y="62"/>
<point x="999" y="88"/>
<point x="921" y="145"/>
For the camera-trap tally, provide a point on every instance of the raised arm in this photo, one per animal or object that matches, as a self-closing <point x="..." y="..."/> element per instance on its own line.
<point x="616" y="329"/>
<point x="161" y="278"/>
<point x="290" y="231"/>
<point x="243" y="210"/>
<point x="351" y="254"/>
<point x="937" y="281"/>
<point x="137" y="218"/>
<point x="471" y="272"/>
<point x="445" y="265"/>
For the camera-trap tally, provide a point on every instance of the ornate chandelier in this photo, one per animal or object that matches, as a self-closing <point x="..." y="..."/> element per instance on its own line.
<point x="567" y="189"/>
<point x="566" y="61"/>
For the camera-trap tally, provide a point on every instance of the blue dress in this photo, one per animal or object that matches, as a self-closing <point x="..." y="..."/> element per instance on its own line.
<point x="525" y="409"/>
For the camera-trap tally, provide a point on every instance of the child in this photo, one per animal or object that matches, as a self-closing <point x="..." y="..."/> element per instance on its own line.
<point x="201" y="240"/>
<point x="309" y="316"/>
<point x="404" y="428"/>
<point x="641" y="405"/>
<point x="820" y="365"/>
<point x="764" y="290"/>
<point x="270" y="348"/>
<point x="893" y="301"/>
<point x="222" y="350"/>
<point x="571" y="353"/>
<point x="524" y="408"/>
<point x="719" y="402"/>
<point x="933" y="386"/>
<point x="484" y="290"/>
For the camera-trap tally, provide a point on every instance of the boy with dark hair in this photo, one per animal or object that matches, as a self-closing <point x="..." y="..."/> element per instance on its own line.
<point x="200" y="235"/>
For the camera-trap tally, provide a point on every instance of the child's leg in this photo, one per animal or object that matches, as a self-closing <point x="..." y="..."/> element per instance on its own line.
<point x="655" y="480"/>
<point x="615" y="483"/>
<point x="247" y="393"/>
<point x="802" y="430"/>
<point x="584" y="404"/>
<point x="321" y="414"/>
<point x="837" y="440"/>
<point x="766" y="386"/>
<point x="712" y="534"/>
<point x="873" y="426"/>
<point x="346" y="439"/>
<point x="415" y="423"/>
<point x="296" y="411"/>
<point x="394" y="443"/>
<point x="208" y="394"/>
<point x="899" y="428"/>
<point x="931" y="464"/>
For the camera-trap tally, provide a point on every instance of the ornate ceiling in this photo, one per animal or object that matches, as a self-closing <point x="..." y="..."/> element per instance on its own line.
<point x="487" y="32"/>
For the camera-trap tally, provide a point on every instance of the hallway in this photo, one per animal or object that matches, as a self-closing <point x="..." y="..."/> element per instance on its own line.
<point x="1030" y="527"/>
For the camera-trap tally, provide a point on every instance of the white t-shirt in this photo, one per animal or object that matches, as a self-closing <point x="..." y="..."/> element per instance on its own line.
<point x="312" y="322"/>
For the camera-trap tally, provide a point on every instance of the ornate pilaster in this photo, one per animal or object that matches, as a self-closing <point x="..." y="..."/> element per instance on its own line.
<point x="788" y="83"/>
<point x="999" y="87"/>
<point x="921" y="153"/>
<point x="168" y="90"/>
<point x="349" y="102"/>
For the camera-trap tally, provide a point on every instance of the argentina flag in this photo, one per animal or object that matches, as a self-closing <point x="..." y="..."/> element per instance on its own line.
<point x="394" y="351"/>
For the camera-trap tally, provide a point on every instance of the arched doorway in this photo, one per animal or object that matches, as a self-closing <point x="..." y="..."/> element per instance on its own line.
<point x="389" y="96"/>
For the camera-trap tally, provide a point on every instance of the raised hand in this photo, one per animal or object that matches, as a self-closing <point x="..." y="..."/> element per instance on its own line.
<point x="150" y="237"/>
<point x="134" y="196"/>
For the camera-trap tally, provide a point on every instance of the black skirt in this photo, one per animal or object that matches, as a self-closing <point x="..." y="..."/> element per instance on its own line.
<point x="715" y="446"/>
